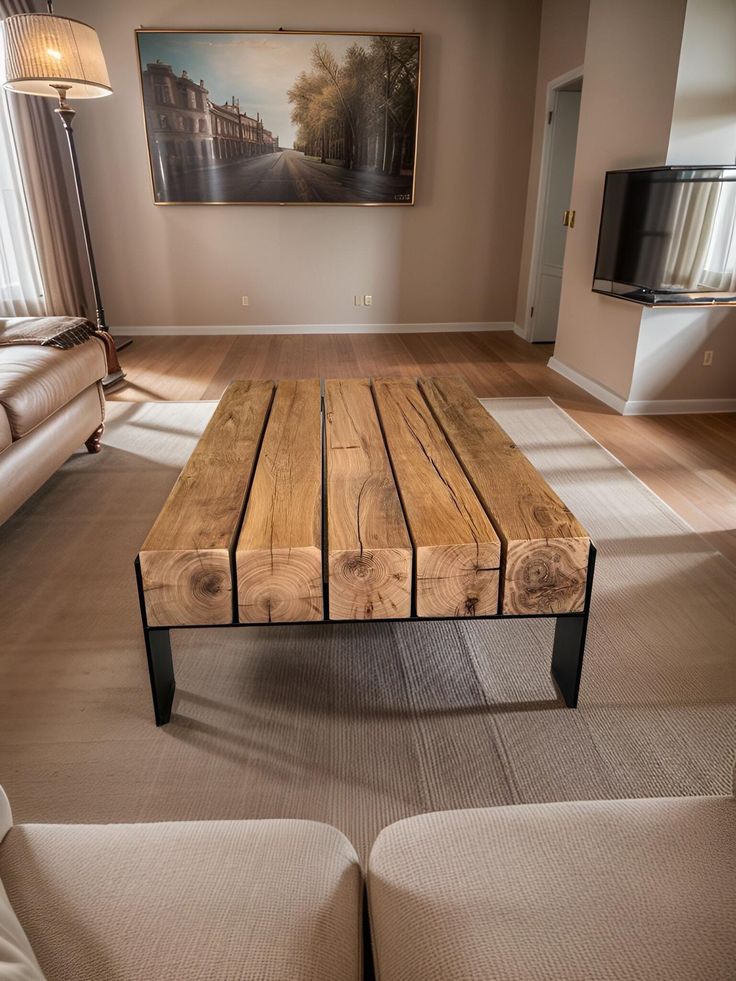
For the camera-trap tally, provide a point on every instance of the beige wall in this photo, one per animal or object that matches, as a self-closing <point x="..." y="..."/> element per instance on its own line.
<point x="452" y="258"/>
<point x="669" y="355"/>
<point x="561" y="49"/>
<point x="704" y="117"/>
<point x="631" y="62"/>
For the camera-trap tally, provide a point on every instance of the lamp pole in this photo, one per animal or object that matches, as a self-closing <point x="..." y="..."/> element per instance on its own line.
<point x="67" y="114"/>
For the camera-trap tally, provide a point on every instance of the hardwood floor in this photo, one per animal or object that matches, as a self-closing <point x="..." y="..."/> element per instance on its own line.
<point x="688" y="460"/>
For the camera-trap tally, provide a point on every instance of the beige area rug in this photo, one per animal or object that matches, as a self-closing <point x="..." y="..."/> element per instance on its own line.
<point x="353" y="725"/>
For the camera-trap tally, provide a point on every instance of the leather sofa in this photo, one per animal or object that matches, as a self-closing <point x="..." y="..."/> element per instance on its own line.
<point x="51" y="402"/>
<point x="630" y="890"/>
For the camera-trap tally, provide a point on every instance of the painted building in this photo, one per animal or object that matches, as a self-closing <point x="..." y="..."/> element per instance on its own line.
<point x="178" y="118"/>
<point x="187" y="130"/>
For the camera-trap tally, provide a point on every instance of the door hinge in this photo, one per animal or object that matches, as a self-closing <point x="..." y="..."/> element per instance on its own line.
<point x="549" y="117"/>
<point x="531" y="312"/>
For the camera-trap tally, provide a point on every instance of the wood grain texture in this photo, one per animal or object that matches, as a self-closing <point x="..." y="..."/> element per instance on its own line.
<point x="369" y="551"/>
<point x="185" y="560"/>
<point x="687" y="460"/>
<point x="457" y="551"/>
<point x="545" y="547"/>
<point x="279" y="551"/>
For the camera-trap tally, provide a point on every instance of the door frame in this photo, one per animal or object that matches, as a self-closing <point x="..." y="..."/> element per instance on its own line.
<point x="545" y="171"/>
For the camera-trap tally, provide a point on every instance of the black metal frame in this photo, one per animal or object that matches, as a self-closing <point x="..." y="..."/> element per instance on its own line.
<point x="568" y="647"/>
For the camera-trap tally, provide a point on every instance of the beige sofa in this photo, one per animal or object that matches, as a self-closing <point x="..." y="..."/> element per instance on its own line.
<point x="273" y="900"/>
<point x="605" y="891"/>
<point x="630" y="890"/>
<point x="51" y="402"/>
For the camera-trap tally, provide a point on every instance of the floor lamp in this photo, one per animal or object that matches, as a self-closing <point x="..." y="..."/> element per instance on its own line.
<point x="60" y="58"/>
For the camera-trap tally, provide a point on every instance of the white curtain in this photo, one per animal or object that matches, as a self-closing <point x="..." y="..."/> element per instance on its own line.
<point x="719" y="267"/>
<point x="21" y="289"/>
<point x="702" y="248"/>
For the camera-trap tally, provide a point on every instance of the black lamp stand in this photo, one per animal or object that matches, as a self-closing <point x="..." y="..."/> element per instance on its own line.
<point x="67" y="114"/>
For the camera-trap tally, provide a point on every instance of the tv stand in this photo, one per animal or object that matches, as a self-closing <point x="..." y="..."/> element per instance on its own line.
<point x="650" y="298"/>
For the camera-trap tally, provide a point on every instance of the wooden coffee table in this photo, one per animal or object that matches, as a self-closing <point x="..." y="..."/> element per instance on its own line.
<point x="354" y="500"/>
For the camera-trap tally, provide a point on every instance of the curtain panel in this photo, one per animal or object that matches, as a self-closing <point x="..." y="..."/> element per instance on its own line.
<point x="21" y="287"/>
<point x="50" y="196"/>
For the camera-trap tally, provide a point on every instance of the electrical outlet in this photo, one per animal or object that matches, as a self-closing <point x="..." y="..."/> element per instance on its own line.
<point x="245" y="301"/>
<point x="368" y="300"/>
<point x="707" y="359"/>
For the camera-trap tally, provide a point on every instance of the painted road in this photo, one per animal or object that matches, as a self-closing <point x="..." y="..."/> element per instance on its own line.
<point x="286" y="176"/>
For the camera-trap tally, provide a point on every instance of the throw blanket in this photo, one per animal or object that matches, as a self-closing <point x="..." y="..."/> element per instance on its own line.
<point x="61" y="332"/>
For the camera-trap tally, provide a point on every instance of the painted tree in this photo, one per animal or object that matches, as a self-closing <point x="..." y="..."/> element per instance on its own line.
<point x="312" y="113"/>
<point x="397" y="60"/>
<point x="362" y="110"/>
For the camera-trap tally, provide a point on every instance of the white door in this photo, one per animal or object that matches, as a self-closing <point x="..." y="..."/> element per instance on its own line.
<point x="554" y="234"/>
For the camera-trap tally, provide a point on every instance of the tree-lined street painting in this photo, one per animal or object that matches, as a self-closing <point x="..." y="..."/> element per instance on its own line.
<point x="280" y="117"/>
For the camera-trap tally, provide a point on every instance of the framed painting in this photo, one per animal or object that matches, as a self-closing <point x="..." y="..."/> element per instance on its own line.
<point x="280" y="117"/>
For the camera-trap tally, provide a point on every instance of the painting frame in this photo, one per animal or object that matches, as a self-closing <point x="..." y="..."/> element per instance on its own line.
<point x="401" y="193"/>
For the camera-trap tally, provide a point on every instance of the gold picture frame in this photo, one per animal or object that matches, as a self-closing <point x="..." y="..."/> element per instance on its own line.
<point x="350" y="112"/>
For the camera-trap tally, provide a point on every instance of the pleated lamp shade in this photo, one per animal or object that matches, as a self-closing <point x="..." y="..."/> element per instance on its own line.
<point x="43" y="50"/>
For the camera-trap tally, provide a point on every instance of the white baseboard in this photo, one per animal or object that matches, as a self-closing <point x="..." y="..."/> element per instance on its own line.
<point x="670" y="407"/>
<point x="603" y="394"/>
<point x="642" y="407"/>
<point x="520" y="331"/>
<point x="141" y="330"/>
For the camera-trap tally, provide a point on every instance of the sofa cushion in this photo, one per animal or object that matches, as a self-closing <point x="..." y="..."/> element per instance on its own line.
<point x="190" y="900"/>
<point x="6" y="436"/>
<point x="35" y="381"/>
<point x="632" y="890"/>
<point x="17" y="962"/>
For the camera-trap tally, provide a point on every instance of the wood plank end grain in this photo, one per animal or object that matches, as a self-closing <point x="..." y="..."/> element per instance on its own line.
<point x="280" y="585"/>
<point x="185" y="587"/>
<point x="545" y="576"/>
<point x="373" y="584"/>
<point x="457" y="581"/>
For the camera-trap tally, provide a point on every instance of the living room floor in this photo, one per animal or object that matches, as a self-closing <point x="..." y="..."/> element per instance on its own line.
<point x="689" y="461"/>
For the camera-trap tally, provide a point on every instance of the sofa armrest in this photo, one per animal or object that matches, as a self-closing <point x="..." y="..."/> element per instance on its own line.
<point x="17" y="960"/>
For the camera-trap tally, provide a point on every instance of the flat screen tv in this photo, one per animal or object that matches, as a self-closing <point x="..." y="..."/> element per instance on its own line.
<point x="668" y="236"/>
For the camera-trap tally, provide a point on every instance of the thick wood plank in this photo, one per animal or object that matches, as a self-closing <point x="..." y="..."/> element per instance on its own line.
<point x="545" y="547"/>
<point x="688" y="460"/>
<point x="457" y="551"/>
<point x="279" y="551"/>
<point x="185" y="560"/>
<point x="369" y="551"/>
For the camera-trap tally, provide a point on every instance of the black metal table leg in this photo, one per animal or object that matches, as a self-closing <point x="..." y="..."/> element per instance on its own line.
<point x="160" y="664"/>
<point x="567" y="657"/>
<point x="161" y="672"/>
<point x="569" y="644"/>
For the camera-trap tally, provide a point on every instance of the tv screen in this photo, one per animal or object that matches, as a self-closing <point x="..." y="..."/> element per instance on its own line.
<point x="668" y="234"/>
